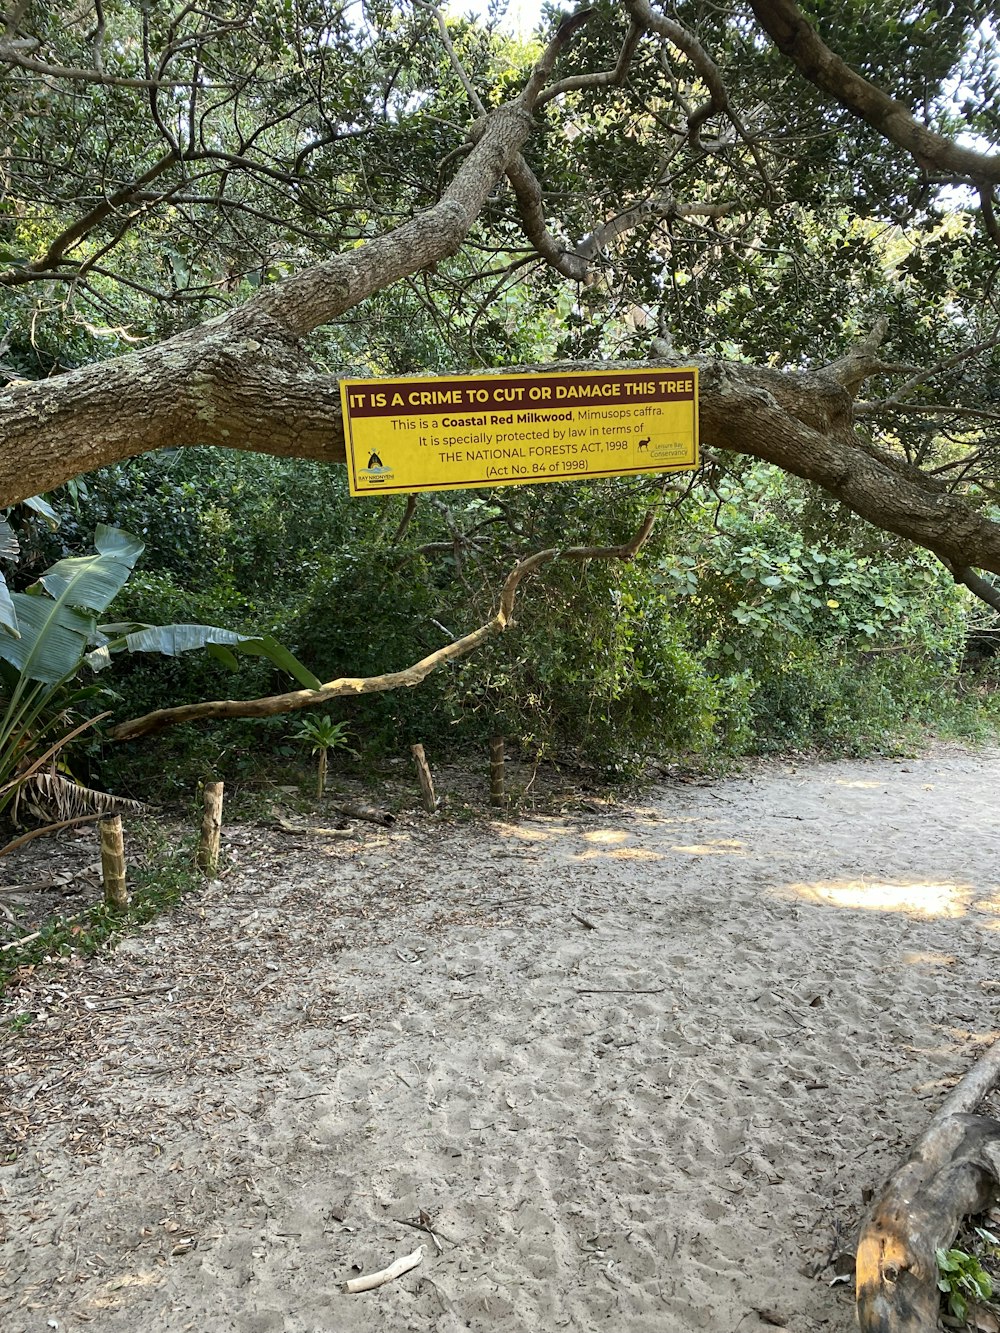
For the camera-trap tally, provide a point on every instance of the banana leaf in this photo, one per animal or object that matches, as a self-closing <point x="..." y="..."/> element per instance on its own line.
<point x="56" y="629"/>
<point x="10" y="549"/>
<point x="8" y="615"/>
<point x="172" y="640"/>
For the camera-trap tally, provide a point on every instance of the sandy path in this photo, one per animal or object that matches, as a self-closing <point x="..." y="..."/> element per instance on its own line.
<point x="662" y="1123"/>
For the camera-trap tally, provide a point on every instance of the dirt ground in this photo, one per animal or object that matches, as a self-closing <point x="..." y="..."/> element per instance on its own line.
<point x="634" y="1065"/>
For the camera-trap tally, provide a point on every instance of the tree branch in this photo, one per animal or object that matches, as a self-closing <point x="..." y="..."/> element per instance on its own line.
<point x="56" y="252"/>
<point x="796" y="39"/>
<point x="409" y="677"/>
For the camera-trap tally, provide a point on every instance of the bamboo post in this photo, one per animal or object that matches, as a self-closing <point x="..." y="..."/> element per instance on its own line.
<point x="211" y="829"/>
<point x="113" y="863"/>
<point x="498" y="791"/>
<point x="426" y="781"/>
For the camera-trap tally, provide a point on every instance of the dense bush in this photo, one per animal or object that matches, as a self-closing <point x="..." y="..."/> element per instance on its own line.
<point x="759" y="617"/>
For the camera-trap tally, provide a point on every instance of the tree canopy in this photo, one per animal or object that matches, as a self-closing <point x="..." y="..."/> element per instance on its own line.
<point x="211" y="213"/>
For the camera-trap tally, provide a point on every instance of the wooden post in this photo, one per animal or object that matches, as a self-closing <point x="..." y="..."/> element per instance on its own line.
<point x="498" y="791"/>
<point x="426" y="781"/>
<point x="211" y="829"/>
<point x="113" y="863"/>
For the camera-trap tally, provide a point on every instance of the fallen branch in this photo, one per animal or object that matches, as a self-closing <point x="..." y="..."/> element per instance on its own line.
<point x="366" y="812"/>
<point x="952" y="1172"/>
<point x="48" y="828"/>
<point x="286" y="826"/>
<point x="295" y="700"/>
<point x="384" y="1275"/>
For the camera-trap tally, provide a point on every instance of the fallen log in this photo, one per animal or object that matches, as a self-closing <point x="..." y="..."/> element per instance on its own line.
<point x="952" y="1172"/>
<point x="370" y="813"/>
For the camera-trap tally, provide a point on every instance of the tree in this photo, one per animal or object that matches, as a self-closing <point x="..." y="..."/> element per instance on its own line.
<point x="725" y="178"/>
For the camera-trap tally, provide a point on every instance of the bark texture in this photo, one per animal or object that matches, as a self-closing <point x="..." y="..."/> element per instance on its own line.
<point x="953" y="1171"/>
<point x="223" y="386"/>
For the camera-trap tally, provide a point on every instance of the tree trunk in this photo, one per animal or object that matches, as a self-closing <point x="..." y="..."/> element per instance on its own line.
<point x="211" y="829"/>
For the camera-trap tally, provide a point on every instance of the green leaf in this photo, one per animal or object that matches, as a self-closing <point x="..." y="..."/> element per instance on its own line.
<point x="53" y="638"/>
<point x="93" y="581"/>
<point x="281" y="657"/>
<point x="223" y="654"/>
<point x="8" y="616"/>
<point x="43" y="509"/>
<point x="173" y="640"/>
<point x="56" y="629"/>
<point x="10" y="547"/>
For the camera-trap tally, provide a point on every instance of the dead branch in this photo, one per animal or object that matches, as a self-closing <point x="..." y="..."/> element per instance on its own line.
<point x="372" y="1280"/>
<point x="295" y="700"/>
<point x="48" y="828"/>
<point x="953" y="1171"/>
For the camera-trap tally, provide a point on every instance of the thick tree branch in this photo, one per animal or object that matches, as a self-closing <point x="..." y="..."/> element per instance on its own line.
<point x="251" y="388"/>
<point x="302" y="303"/>
<point x="796" y="39"/>
<point x="982" y="588"/>
<point x="664" y="207"/>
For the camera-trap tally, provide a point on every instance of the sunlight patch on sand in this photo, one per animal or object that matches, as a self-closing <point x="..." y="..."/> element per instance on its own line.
<point x="717" y="847"/>
<point x="525" y="834"/>
<point x="620" y="854"/>
<point x="867" y="783"/>
<point x="928" y="959"/>
<point x="606" y="835"/>
<point x="914" y="897"/>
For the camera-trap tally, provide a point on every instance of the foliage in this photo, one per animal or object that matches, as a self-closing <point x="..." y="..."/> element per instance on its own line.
<point x="962" y="1278"/>
<point x="322" y="734"/>
<point x="157" y="882"/>
<point x="55" y="630"/>
<point x="760" y="616"/>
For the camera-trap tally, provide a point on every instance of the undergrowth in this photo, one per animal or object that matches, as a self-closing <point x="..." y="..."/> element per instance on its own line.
<point x="157" y="883"/>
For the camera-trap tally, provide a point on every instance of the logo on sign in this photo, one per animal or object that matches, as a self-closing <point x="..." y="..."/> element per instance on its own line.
<point x="376" y="473"/>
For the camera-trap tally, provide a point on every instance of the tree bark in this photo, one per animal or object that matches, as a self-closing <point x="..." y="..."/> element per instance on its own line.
<point x="113" y="863"/>
<point x="498" y="793"/>
<point x="953" y="1171"/>
<point x="223" y="386"/>
<point x="211" y="829"/>
<point x="426" y="781"/>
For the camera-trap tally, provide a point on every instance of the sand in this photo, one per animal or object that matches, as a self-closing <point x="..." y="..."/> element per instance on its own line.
<point x="636" y="1065"/>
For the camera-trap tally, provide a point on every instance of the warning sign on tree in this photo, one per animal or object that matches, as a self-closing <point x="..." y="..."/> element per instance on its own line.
<point x="508" y="430"/>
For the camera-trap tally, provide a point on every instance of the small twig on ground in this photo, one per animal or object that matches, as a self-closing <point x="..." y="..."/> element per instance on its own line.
<point x="397" y="1269"/>
<point x="619" y="990"/>
<point x="425" y="1226"/>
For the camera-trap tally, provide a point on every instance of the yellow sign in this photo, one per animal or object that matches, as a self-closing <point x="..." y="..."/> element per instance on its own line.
<point x="507" y="430"/>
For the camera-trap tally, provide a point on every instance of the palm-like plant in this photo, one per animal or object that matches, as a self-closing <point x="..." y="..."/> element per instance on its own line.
<point x="323" y="735"/>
